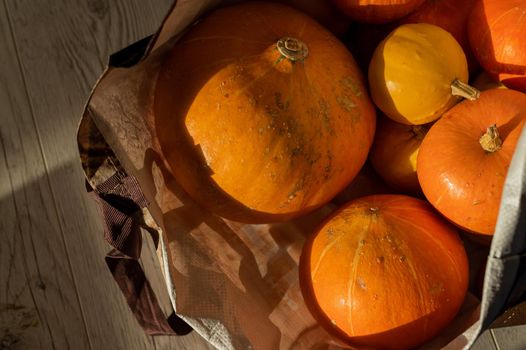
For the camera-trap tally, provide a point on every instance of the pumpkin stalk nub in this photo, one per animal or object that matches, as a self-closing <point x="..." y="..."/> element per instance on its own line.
<point x="292" y="48"/>
<point x="491" y="141"/>
<point x="420" y="131"/>
<point x="461" y="89"/>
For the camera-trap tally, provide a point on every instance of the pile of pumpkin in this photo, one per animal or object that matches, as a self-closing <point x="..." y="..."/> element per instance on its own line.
<point x="264" y="115"/>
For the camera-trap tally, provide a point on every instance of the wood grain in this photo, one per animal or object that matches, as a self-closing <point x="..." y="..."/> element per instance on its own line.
<point x="510" y="338"/>
<point x="60" y="49"/>
<point x="485" y="342"/>
<point x="40" y="288"/>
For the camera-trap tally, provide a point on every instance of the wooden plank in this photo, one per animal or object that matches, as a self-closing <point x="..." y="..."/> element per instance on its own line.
<point x="20" y="321"/>
<point x="39" y="307"/>
<point x="62" y="53"/>
<point x="510" y="338"/>
<point x="485" y="342"/>
<point x="54" y="99"/>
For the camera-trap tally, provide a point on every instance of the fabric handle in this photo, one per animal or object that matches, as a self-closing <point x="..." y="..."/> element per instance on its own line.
<point x="121" y="202"/>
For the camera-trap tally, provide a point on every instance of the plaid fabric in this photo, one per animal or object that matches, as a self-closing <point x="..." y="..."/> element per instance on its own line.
<point x="120" y="200"/>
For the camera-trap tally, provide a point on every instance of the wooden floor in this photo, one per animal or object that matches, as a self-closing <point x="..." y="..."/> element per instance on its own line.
<point x="56" y="292"/>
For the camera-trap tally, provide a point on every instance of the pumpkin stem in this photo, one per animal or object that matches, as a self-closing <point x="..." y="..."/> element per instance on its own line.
<point x="292" y="48"/>
<point x="419" y="131"/>
<point x="491" y="141"/>
<point x="461" y="89"/>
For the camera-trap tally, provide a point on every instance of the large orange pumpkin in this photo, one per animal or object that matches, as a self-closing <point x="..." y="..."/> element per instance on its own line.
<point x="377" y="11"/>
<point x="384" y="272"/>
<point x="261" y="113"/>
<point x="464" y="158"/>
<point x="497" y="32"/>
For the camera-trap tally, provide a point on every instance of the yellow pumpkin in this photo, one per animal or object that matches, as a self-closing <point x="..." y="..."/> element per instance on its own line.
<point x="417" y="72"/>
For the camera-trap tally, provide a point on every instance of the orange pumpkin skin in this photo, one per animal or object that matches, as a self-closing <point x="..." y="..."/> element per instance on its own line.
<point x="450" y="15"/>
<point x="496" y="31"/>
<point x="384" y="272"/>
<point x="252" y="135"/>
<point x="394" y="153"/>
<point x="377" y="11"/>
<point x="458" y="177"/>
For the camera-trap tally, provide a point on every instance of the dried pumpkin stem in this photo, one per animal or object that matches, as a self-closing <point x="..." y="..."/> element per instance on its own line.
<point x="292" y="48"/>
<point x="491" y="141"/>
<point x="461" y="89"/>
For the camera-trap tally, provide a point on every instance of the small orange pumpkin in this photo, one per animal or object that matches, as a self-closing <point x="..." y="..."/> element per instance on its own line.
<point x="464" y="158"/>
<point x="394" y="153"/>
<point x="261" y="113"/>
<point x="384" y="272"/>
<point x="496" y="31"/>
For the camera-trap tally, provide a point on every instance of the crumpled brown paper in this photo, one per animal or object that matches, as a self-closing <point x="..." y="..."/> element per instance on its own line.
<point x="236" y="284"/>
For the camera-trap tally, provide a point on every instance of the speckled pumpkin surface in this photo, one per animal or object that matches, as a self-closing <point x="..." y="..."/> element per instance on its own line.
<point x="262" y="113"/>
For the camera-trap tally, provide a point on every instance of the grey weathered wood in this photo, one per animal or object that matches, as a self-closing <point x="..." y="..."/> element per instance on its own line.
<point x="61" y="49"/>
<point x="485" y="342"/>
<point x="37" y="272"/>
<point x="510" y="338"/>
<point x="20" y="319"/>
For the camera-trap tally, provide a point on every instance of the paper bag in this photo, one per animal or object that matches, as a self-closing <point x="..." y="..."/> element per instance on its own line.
<point x="236" y="284"/>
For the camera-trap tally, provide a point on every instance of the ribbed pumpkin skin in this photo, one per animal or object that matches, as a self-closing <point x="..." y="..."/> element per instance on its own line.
<point x="458" y="177"/>
<point x="251" y="135"/>
<point x="496" y="31"/>
<point x="384" y="272"/>
<point x="377" y="11"/>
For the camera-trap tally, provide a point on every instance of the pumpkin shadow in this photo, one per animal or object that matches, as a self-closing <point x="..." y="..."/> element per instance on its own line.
<point x="388" y="101"/>
<point x="316" y="338"/>
<point x="228" y="266"/>
<point x="506" y="129"/>
<point x="363" y="38"/>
